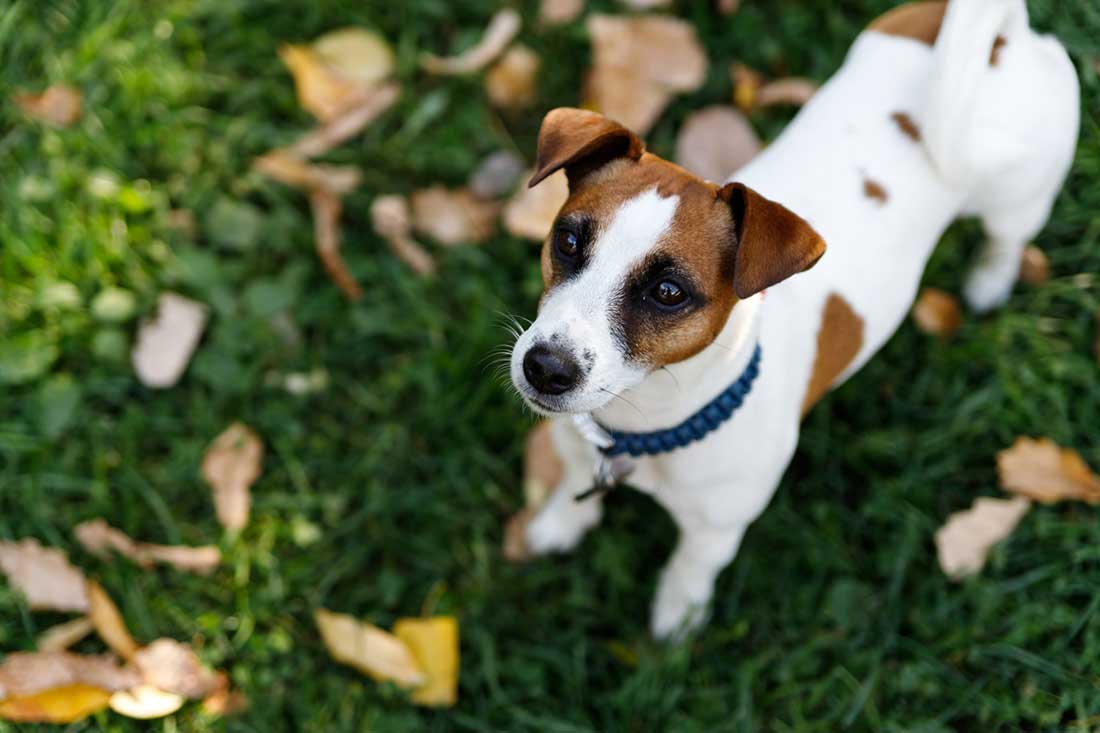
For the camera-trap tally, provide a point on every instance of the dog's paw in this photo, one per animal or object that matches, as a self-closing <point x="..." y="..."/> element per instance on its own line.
<point x="557" y="531"/>
<point x="988" y="288"/>
<point x="676" y="614"/>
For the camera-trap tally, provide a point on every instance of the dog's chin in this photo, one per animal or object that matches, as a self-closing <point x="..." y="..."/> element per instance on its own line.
<point x="555" y="406"/>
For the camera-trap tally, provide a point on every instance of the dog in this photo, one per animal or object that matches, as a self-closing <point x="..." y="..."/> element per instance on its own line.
<point x="686" y="327"/>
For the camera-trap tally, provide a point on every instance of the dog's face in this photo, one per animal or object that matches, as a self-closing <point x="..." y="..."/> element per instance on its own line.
<point x="643" y="265"/>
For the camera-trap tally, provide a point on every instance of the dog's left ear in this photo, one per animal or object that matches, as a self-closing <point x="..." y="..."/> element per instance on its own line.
<point x="773" y="242"/>
<point x="581" y="141"/>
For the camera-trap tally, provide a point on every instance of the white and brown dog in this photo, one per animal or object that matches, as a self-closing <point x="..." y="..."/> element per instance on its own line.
<point x="654" y="325"/>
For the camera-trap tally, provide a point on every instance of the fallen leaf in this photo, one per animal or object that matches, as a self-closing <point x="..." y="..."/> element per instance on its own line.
<point x="531" y="212"/>
<point x="108" y="621"/>
<point x="166" y="342"/>
<point x="1034" y="266"/>
<point x="496" y="174"/>
<point x="58" y="105"/>
<point x="728" y="7"/>
<point x="66" y="704"/>
<point x="145" y="702"/>
<point x="452" y="216"/>
<point x="174" y="667"/>
<point x="27" y="673"/>
<point x="326" y="207"/>
<point x="224" y="700"/>
<point x="347" y="124"/>
<point x="434" y="644"/>
<point x="367" y="648"/>
<point x="1042" y="470"/>
<point x="510" y="83"/>
<point x="963" y="543"/>
<point x="639" y="63"/>
<point x="294" y="171"/>
<point x="232" y="462"/>
<point x="542" y="467"/>
<point x="937" y="312"/>
<point x="790" y="91"/>
<point x="558" y="12"/>
<point x="98" y="538"/>
<point x="502" y="28"/>
<point x="356" y="53"/>
<point x="44" y="575"/>
<point x="390" y="218"/>
<point x="515" y="547"/>
<point x="716" y="141"/>
<point x="322" y="91"/>
<point x="62" y="636"/>
<point x="746" y="82"/>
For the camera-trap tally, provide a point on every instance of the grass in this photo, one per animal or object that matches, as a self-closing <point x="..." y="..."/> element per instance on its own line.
<point x="384" y="495"/>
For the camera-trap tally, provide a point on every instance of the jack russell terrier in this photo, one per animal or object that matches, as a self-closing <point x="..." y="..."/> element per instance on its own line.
<point x="656" y="346"/>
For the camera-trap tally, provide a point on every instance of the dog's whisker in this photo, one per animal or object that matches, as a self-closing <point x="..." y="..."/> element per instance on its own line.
<point x="625" y="400"/>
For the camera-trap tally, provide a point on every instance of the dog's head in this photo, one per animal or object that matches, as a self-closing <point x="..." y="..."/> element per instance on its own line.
<point x="643" y="265"/>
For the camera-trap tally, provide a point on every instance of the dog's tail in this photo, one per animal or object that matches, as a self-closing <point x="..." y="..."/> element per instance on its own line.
<point x="966" y="48"/>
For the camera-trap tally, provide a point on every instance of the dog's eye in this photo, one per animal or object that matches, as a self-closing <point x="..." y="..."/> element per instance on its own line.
<point x="668" y="293"/>
<point x="568" y="243"/>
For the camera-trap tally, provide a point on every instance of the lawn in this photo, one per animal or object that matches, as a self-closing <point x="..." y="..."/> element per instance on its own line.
<point x="384" y="494"/>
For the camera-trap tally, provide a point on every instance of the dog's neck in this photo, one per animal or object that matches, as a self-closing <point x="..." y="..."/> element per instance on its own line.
<point x="670" y="395"/>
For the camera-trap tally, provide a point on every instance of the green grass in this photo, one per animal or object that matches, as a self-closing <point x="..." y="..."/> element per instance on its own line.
<point x="388" y="490"/>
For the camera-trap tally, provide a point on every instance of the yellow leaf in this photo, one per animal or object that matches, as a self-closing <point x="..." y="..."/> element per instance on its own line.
<point x="108" y="622"/>
<point x="356" y="53"/>
<point x="434" y="644"/>
<point x="368" y="648"/>
<point x="62" y="636"/>
<point x="510" y="83"/>
<point x="322" y="91"/>
<point x="145" y="702"/>
<point x="1042" y="470"/>
<point x="66" y="704"/>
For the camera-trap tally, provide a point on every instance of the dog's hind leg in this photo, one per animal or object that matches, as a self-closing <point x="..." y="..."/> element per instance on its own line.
<point x="1007" y="234"/>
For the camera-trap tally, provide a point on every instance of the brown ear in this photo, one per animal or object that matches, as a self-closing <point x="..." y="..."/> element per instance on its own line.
<point x="773" y="242"/>
<point x="581" y="141"/>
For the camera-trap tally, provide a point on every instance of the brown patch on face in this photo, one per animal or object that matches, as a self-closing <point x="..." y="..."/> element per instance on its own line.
<point x="920" y="21"/>
<point x="838" y="341"/>
<point x="995" y="53"/>
<point x="875" y="190"/>
<point x="907" y="126"/>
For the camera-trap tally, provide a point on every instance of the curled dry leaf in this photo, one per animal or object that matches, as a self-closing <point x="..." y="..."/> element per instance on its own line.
<point x="1042" y="470"/>
<point x="26" y="673"/>
<point x="62" y="636"/>
<point x="452" y="216"/>
<point x="99" y="538"/>
<point x="1034" y="266"/>
<point x="326" y="207"/>
<point x="937" y="312"/>
<point x="716" y="141"/>
<point x="790" y="91"/>
<point x="558" y="12"/>
<point x="963" y="543"/>
<point x="231" y="464"/>
<point x="145" y="702"/>
<point x="59" y="105"/>
<point x="530" y="213"/>
<point x="391" y="220"/>
<point x="166" y="342"/>
<point x="639" y="63"/>
<point x="434" y="644"/>
<point x="44" y="575"/>
<point x="367" y="648"/>
<point x="108" y="621"/>
<point x="294" y="171"/>
<point x="502" y="28"/>
<point x="174" y="667"/>
<point x="510" y="83"/>
<point x="355" y="53"/>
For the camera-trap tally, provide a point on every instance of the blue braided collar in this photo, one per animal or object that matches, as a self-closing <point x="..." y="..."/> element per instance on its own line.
<point x="705" y="420"/>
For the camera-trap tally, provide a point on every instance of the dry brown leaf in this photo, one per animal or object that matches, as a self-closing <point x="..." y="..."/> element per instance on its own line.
<point x="502" y="28"/>
<point x="453" y="216"/>
<point x="355" y="53"/>
<point x="44" y="575"/>
<point x="1042" y="470"/>
<point x="390" y="218"/>
<point x="515" y="547"/>
<point x="434" y="644"/>
<point x="232" y="462"/>
<point x="294" y="171"/>
<point x="326" y="207"/>
<point x="510" y="83"/>
<point x="790" y="91"/>
<point x="963" y="543"/>
<point x="937" y="312"/>
<point x="108" y="621"/>
<point x="531" y="212"/>
<point x="746" y="82"/>
<point x="639" y="63"/>
<point x="66" y="704"/>
<point x="62" y="636"/>
<point x="728" y="7"/>
<point x="347" y="124"/>
<point x="542" y="468"/>
<point x="716" y="141"/>
<point x="145" y="702"/>
<point x="367" y="648"/>
<point x="174" y="667"/>
<point x="166" y="342"/>
<point x="27" y="673"/>
<point x="322" y="91"/>
<point x="99" y="538"/>
<point x="58" y="105"/>
<point x="1034" y="266"/>
<point x="558" y="12"/>
<point x="224" y="700"/>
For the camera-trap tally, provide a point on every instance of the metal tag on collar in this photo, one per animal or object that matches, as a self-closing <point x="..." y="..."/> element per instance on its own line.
<point x="608" y="471"/>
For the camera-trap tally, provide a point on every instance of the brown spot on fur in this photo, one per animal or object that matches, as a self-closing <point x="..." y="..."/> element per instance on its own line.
<point x="838" y="341"/>
<point x="920" y="21"/>
<point x="875" y="190"/>
<point x="907" y="126"/>
<point x="995" y="52"/>
<point x="542" y="467"/>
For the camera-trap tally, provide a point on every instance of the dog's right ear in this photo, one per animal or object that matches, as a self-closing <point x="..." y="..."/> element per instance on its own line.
<point x="580" y="142"/>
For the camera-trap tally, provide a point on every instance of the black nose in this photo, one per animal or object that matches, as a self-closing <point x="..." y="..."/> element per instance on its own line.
<point x="550" y="371"/>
